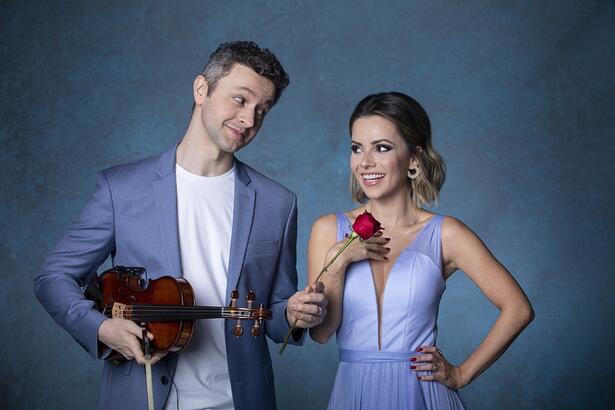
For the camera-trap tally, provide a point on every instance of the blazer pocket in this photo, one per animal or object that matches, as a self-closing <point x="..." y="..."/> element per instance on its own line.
<point x="262" y="248"/>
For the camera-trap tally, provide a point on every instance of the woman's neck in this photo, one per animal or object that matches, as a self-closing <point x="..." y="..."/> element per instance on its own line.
<point x="394" y="211"/>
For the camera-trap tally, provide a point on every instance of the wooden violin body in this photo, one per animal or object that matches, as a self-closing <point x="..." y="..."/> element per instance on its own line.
<point x="164" y="306"/>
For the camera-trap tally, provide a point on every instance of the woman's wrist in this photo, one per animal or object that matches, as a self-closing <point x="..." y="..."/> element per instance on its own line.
<point x="463" y="376"/>
<point x="339" y="264"/>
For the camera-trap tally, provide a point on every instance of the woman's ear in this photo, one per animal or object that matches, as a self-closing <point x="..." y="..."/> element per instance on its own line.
<point x="413" y="163"/>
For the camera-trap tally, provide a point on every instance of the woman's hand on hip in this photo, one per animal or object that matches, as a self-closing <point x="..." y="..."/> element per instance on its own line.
<point x="432" y="360"/>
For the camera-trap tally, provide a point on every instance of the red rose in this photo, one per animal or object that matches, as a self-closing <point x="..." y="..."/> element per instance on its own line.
<point x="366" y="225"/>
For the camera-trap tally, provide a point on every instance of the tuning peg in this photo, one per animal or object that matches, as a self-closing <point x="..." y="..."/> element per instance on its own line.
<point x="238" y="330"/>
<point x="256" y="329"/>
<point x="234" y="297"/>
<point x="250" y="297"/>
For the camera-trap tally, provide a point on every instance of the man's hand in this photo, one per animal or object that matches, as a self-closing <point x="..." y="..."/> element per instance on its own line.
<point x="308" y="306"/>
<point x="124" y="336"/>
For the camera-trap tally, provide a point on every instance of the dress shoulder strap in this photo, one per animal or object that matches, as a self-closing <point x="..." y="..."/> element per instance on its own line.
<point x="343" y="226"/>
<point x="429" y="241"/>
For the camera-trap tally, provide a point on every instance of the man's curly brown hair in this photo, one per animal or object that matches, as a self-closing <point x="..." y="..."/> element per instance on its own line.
<point x="247" y="53"/>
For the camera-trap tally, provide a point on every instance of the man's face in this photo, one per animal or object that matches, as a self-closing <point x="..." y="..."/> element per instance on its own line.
<point x="233" y="113"/>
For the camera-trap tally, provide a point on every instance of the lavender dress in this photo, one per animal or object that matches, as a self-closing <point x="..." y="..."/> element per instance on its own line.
<point x="368" y="378"/>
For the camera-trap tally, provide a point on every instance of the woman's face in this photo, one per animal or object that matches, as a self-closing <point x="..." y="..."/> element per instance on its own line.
<point x="380" y="158"/>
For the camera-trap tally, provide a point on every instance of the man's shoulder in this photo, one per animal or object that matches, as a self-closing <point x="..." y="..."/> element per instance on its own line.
<point x="142" y="169"/>
<point x="261" y="181"/>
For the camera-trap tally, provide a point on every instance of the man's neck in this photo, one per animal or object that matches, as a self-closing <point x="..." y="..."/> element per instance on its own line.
<point x="196" y="156"/>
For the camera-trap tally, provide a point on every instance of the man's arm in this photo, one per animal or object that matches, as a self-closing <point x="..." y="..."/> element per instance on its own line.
<point x="286" y="304"/>
<point x="79" y="252"/>
<point x="285" y="282"/>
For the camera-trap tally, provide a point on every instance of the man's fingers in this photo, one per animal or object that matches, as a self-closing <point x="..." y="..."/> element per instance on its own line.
<point x="135" y="349"/>
<point x="134" y="329"/>
<point x="158" y="356"/>
<point x="310" y="309"/>
<point x="318" y="287"/>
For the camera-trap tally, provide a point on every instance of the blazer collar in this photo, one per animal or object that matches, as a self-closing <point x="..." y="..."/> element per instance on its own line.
<point x="165" y="193"/>
<point x="243" y="215"/>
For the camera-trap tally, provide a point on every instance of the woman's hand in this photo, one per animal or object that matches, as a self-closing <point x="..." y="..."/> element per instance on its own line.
<point x="372" y="248"/>
<point x="432" y="360"/>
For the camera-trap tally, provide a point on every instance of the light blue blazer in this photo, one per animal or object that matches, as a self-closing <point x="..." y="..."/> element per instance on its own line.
<point x="132" y="216"/>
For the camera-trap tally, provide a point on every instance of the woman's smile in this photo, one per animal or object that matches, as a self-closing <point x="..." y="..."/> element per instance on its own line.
<point x="372" y="178"/>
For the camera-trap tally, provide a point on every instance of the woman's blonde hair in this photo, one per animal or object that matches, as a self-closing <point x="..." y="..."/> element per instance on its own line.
<point x="413" y="125"/>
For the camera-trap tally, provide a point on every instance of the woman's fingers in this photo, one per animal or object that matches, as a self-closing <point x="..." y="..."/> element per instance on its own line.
<point x="429" y="349"/>
<point x="375" y="239"/>
<point x="377" y="251"/>
<point x="435" y="366"/>
<point x="429" y="357"/>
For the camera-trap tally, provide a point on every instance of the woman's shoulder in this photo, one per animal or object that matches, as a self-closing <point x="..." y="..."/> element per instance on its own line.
<point x="325" y="221"/>
<point x="454" y="229"/>
<point x="327" y="224"/>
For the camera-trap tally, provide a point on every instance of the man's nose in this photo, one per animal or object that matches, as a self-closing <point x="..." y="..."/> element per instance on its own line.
<point x="246" y="117"/>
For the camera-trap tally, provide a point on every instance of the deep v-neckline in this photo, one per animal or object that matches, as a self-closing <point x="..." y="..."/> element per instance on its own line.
<point x="380" y="301"/>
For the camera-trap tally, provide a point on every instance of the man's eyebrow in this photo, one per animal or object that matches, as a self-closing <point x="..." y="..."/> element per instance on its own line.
<point x="247" y="89"/>
<point x="268" y="103"/>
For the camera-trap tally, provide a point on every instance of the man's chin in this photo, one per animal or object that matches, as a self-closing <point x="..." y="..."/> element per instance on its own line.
<point x="235" y="144"/>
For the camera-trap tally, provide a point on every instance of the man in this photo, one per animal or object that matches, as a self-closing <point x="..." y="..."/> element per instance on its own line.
<point x="194" y="211"/>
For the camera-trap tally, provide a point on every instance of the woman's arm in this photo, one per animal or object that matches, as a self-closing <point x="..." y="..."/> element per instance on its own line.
<point x="322" y="247"/>
<point x="463" y="250"/>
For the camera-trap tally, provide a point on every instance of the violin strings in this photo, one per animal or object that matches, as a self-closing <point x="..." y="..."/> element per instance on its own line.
<point x="171" y="312"/>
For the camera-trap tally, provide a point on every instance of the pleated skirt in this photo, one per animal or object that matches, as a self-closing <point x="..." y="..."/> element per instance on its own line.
<point x="388" y="386"/>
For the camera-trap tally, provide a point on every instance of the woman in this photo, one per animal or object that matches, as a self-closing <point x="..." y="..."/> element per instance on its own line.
<point x="384" y="292"/>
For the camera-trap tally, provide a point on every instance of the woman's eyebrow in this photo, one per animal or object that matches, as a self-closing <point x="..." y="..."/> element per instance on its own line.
<point x="382" y="140"/>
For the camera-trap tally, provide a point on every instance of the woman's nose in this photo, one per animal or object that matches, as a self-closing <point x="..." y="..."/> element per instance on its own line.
<point x="367" y="160"/>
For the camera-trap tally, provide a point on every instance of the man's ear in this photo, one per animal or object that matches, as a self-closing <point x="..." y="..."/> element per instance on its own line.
<point x="199" y="89"/>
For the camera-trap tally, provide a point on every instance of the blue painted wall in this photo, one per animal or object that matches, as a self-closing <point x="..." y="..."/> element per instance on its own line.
<point x="521" y="98"/>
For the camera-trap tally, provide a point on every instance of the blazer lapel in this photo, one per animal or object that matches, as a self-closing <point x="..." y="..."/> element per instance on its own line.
<point x="243" y="213"/>
<point x="165" y="196"/>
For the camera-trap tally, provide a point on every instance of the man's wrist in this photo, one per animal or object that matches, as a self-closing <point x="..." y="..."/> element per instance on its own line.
<point x="297" y="333"/>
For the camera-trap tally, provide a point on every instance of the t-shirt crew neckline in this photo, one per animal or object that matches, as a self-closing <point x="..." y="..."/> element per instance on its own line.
<point x="184" y="173"/>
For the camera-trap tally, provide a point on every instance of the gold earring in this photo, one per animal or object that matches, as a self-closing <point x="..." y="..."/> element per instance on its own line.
<point x="413" y="173"/>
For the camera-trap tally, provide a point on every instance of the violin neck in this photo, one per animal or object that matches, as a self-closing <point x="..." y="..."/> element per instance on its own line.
<point x="171" y="313"/>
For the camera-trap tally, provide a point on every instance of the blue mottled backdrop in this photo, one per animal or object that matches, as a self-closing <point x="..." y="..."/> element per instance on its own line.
<point x="522" y="100"/>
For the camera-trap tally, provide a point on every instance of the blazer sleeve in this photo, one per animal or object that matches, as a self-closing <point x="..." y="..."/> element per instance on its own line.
<point x="285" y="284"/>
<point x="79" y="252"/>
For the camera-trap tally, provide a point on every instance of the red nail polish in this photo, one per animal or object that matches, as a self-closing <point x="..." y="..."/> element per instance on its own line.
<point x="413" y="367"/>
<point x="413" y="359"/>
<point x="420" y="349"/>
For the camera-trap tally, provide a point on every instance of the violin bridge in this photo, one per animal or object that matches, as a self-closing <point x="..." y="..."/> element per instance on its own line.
<point x="118" y="310"/>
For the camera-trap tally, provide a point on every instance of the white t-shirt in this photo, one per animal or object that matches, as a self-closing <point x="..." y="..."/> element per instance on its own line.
<point x="205" y="220"/>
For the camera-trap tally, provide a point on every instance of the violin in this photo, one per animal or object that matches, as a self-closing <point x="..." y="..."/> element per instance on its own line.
<point x="165" y="306"/>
